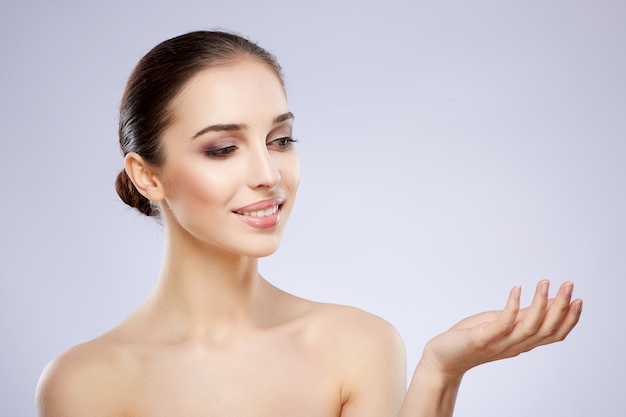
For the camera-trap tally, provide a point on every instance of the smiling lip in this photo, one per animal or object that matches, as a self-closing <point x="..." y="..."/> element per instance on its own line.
<point x="262" y="214"/>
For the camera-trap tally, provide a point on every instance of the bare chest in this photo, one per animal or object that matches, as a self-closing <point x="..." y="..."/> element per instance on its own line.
<point x="250" y="382"/>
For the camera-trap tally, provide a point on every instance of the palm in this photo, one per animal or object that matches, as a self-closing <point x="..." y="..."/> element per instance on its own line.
<point x="503" y="334"/>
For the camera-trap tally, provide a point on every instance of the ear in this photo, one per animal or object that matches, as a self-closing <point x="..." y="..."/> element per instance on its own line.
<point x="143" y="177"/>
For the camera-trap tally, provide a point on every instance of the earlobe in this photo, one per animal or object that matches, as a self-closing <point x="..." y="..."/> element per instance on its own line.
<point x="143" y="177"/>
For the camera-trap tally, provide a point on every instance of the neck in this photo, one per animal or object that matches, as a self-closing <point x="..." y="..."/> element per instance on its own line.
<point x="207" y="292"/>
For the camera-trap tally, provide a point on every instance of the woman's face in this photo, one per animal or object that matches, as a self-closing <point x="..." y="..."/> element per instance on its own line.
<point x="231" y="171"/>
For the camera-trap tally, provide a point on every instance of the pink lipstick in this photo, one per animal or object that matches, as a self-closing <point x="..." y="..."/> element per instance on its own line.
<point x="262" y="214"/>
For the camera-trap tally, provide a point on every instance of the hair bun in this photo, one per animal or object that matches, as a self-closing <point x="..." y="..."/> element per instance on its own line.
<point x="129" y="195"/>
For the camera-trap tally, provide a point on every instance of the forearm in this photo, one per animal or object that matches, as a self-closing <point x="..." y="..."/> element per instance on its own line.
<point x="430" y="394"/>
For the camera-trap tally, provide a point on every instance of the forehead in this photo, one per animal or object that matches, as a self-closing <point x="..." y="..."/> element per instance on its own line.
<point x="246" y="91"/>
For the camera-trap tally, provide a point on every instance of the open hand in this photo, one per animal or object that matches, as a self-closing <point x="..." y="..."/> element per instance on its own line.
<point x="503" y="334"/>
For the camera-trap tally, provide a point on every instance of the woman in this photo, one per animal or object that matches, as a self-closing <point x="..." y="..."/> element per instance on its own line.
<point x="206" y="131"/>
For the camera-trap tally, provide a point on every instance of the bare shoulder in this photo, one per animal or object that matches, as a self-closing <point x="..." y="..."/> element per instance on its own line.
<point x="350" y="324"/>
<point x="340" y="325"/>
<point x="85" y="380"/>
<point x="371" y="357"/>
<point x="356" y="340"/>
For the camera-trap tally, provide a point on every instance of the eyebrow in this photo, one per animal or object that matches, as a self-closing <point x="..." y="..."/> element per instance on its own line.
<point x="239" y="126"/>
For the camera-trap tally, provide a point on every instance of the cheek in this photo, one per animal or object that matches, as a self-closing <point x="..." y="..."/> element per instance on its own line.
<point x="190" y="186"/>
<point x="290" y="171"/>
<point x="297" y="177"/>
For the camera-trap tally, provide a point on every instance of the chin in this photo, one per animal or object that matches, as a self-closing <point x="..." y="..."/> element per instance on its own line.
<point x="261" y="251"/>
<point x="260" y="255"/>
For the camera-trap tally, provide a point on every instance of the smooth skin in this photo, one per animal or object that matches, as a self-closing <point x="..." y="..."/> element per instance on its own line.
<point x="487" y="337"/>
<point x="216" y="339"/>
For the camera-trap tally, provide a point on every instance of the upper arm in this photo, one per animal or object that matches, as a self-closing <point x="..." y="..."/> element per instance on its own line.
<point x="375" y="369"/>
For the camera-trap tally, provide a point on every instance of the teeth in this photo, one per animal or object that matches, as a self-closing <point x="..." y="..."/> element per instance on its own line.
<point x="260" y="213"/>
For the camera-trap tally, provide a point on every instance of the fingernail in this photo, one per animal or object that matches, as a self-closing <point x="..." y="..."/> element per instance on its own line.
<point x="579" y="306"/>
<point x="569" y="289"/>
<point x="545" y="286"/>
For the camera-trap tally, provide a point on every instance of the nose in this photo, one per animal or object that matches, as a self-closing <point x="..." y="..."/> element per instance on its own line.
<point x="263" y="170"/>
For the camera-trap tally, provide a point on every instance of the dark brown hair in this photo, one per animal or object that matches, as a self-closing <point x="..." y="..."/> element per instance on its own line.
<point x="156" y="80"/>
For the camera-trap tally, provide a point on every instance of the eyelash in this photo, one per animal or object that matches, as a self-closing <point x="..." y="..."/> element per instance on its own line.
<point x="282" y="144"/>
<point x="220" y="153"/>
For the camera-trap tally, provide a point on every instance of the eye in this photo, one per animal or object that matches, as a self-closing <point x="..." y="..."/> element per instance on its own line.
<point x="282" y="144"/>
<point x="220" y="153"/>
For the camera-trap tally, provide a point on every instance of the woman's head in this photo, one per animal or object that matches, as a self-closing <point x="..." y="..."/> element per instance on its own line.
<point x="146" y="108"/>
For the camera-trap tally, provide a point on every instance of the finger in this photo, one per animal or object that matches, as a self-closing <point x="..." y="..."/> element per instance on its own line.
<point x="490" y="335"/>
<point x="566" y="320"/>
<point x="571" y="319"/>
<point x="558" y="310"/>
<point x="496" y="341"/>
<point x="560" y="319"/>
<point x="533" y="317"/>
<point x="523" y="312"/>
<point x="506" y="321"/>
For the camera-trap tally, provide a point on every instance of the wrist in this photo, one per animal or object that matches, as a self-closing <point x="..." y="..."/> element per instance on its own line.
<point x="432" y="363"/>
<point x="429" y="369"/>
<point x="432" y="391"/>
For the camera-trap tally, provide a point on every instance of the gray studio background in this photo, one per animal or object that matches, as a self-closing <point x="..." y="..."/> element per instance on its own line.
<point x="450" y="150"/>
